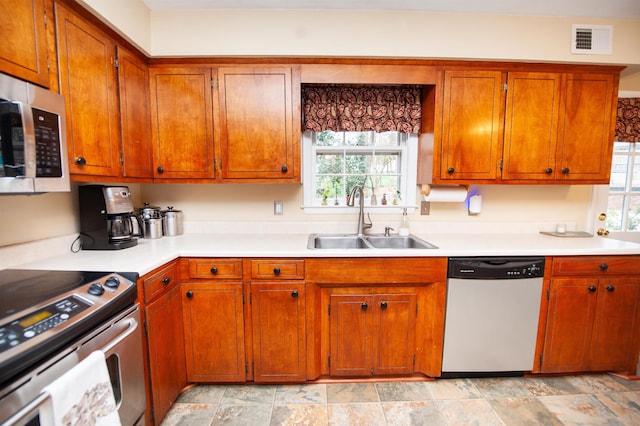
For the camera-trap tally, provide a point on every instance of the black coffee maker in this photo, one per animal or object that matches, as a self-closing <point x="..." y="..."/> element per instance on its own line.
<point x="107" y="220"/>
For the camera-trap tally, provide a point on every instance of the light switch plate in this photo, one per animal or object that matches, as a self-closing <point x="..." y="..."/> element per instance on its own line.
<point x="278" y="208"/>
<point x="425" y="208"/>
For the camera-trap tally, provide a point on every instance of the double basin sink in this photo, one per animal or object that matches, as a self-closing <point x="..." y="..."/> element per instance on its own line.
<point x="372" y="241"/>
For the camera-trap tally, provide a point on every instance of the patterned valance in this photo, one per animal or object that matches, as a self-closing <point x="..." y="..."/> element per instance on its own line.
<point x="628" y="120"/>
<point x="361" y="108"/>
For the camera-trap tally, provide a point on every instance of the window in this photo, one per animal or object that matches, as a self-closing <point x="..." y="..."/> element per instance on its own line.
<point x="384" y="164"/>
<point x="623" y="211"/>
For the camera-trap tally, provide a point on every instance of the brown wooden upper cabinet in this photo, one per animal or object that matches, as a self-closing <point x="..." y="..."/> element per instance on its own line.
<point x="225" y="124"/>
<point x="182" y="123"/>
<point x="259" y="138"/>
<point x="106" y="93"/>
<point x="539" y="127"/>
<point x="23" y="51"/>
<point x="89" y="83"/>
<point x="135" y="117"/>
<point x="471" y="128"/>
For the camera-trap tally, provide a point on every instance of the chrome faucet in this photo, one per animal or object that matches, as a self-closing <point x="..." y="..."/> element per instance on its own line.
<point x="362" y="225"/>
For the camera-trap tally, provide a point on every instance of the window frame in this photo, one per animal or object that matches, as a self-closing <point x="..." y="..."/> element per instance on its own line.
<point x="408" y="166"/>
<point x="627" y="192"/>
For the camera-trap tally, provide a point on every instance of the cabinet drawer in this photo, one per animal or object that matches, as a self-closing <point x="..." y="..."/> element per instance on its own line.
<point x="277" y="269"/>
<point x="157" y="282"/>
<point x="596" y="265"/>
<point x="220" y="269"/>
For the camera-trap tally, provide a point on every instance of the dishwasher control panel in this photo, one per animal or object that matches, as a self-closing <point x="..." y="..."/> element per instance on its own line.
<point x="499" y="268"/>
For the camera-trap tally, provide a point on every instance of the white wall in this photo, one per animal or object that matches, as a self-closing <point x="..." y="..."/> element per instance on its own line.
<point x="31" y="217"/>
<point x="247" y="203"/>
<point x="131" y="18"/>
<point x="381" y="33"/>
<point x="359" y="33"/>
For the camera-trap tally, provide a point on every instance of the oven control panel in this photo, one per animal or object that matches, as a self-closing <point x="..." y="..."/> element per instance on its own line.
<point x="40" y="321"/>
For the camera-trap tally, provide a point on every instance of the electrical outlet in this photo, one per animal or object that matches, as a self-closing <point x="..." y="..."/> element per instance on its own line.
<point x="425" y="207"/>
<point x="278" y="208"/>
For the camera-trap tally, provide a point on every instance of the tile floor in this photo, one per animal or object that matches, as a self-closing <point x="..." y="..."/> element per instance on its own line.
<point x="574" y="400"/>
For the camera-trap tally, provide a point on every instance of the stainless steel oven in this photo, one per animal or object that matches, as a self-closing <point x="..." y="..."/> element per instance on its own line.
<point x="40" y="344"/>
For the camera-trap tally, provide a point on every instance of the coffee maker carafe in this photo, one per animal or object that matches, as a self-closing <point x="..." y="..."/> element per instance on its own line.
<point x="107" y="220"/>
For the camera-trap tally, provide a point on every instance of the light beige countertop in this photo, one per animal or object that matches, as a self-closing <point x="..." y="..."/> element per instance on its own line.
<point x="150" y="254"/>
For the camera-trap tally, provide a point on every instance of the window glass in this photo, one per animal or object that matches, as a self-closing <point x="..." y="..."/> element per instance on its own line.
<point x="633" y="213"/>
<point x="619" y="168"/>
<point x="384" y="164"/>
<point x="623" y="210"/>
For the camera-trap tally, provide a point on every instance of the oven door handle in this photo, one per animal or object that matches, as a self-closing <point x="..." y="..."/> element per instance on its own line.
<point x="27" y="410"/>
<point x="132" y="326"/>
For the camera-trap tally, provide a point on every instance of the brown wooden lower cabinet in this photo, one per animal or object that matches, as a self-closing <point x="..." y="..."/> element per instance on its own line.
<point x="372" y="333"/>
<point x="593" y="322"/>
<point x="376" y="316"/>
<point x="278" y="328"/>
<point x="165" y="340"/>
<point x="214" y="332"/>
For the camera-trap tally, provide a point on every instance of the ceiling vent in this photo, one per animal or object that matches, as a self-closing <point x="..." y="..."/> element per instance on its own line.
<point x="592" y="39"/>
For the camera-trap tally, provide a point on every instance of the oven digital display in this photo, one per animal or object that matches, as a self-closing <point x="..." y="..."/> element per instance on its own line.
<point x="33" y="319"/>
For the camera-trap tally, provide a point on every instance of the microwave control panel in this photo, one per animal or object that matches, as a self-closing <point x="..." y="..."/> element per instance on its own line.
<point x="47" y="135"/>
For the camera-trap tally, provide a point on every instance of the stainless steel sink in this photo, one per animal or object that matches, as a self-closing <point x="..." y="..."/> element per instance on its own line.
<point x="398" y="242"/>
<point x="374" y="241"/>
<point x="331" y="241"/>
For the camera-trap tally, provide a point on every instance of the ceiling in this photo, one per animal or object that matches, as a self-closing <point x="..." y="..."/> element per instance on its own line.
<point x="625" y="9"/>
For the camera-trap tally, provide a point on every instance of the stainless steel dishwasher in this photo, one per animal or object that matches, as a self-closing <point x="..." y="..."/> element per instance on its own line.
<point x="493" y="305"/>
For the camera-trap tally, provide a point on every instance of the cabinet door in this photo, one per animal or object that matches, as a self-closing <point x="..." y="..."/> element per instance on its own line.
<point x="23" y="51"/>
<point x="166" y="351"/>
<point x="615" y="329"/>
<point x="257" y="136"/>
<point x="214" y="332"/>
<point x="394" y="345"/>
<point x="89" y="84"/>
<point x="182" y="123"/>
<point x="531" y="123"/>
<point x="473" y="114"/>
<point x="372" y="334"/>
<point x="572" y="305"/>
<point x="586" y="128"/>
<point x="352" y="334"/>
<point x="133" y="78"/>
<point x="278" y="320"/>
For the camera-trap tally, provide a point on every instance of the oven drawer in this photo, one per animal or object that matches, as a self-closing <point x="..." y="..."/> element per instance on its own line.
<point x="156" y="283"/>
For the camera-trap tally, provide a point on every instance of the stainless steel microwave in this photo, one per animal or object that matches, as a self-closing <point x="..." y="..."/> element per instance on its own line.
<point x="33" y="152"/>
